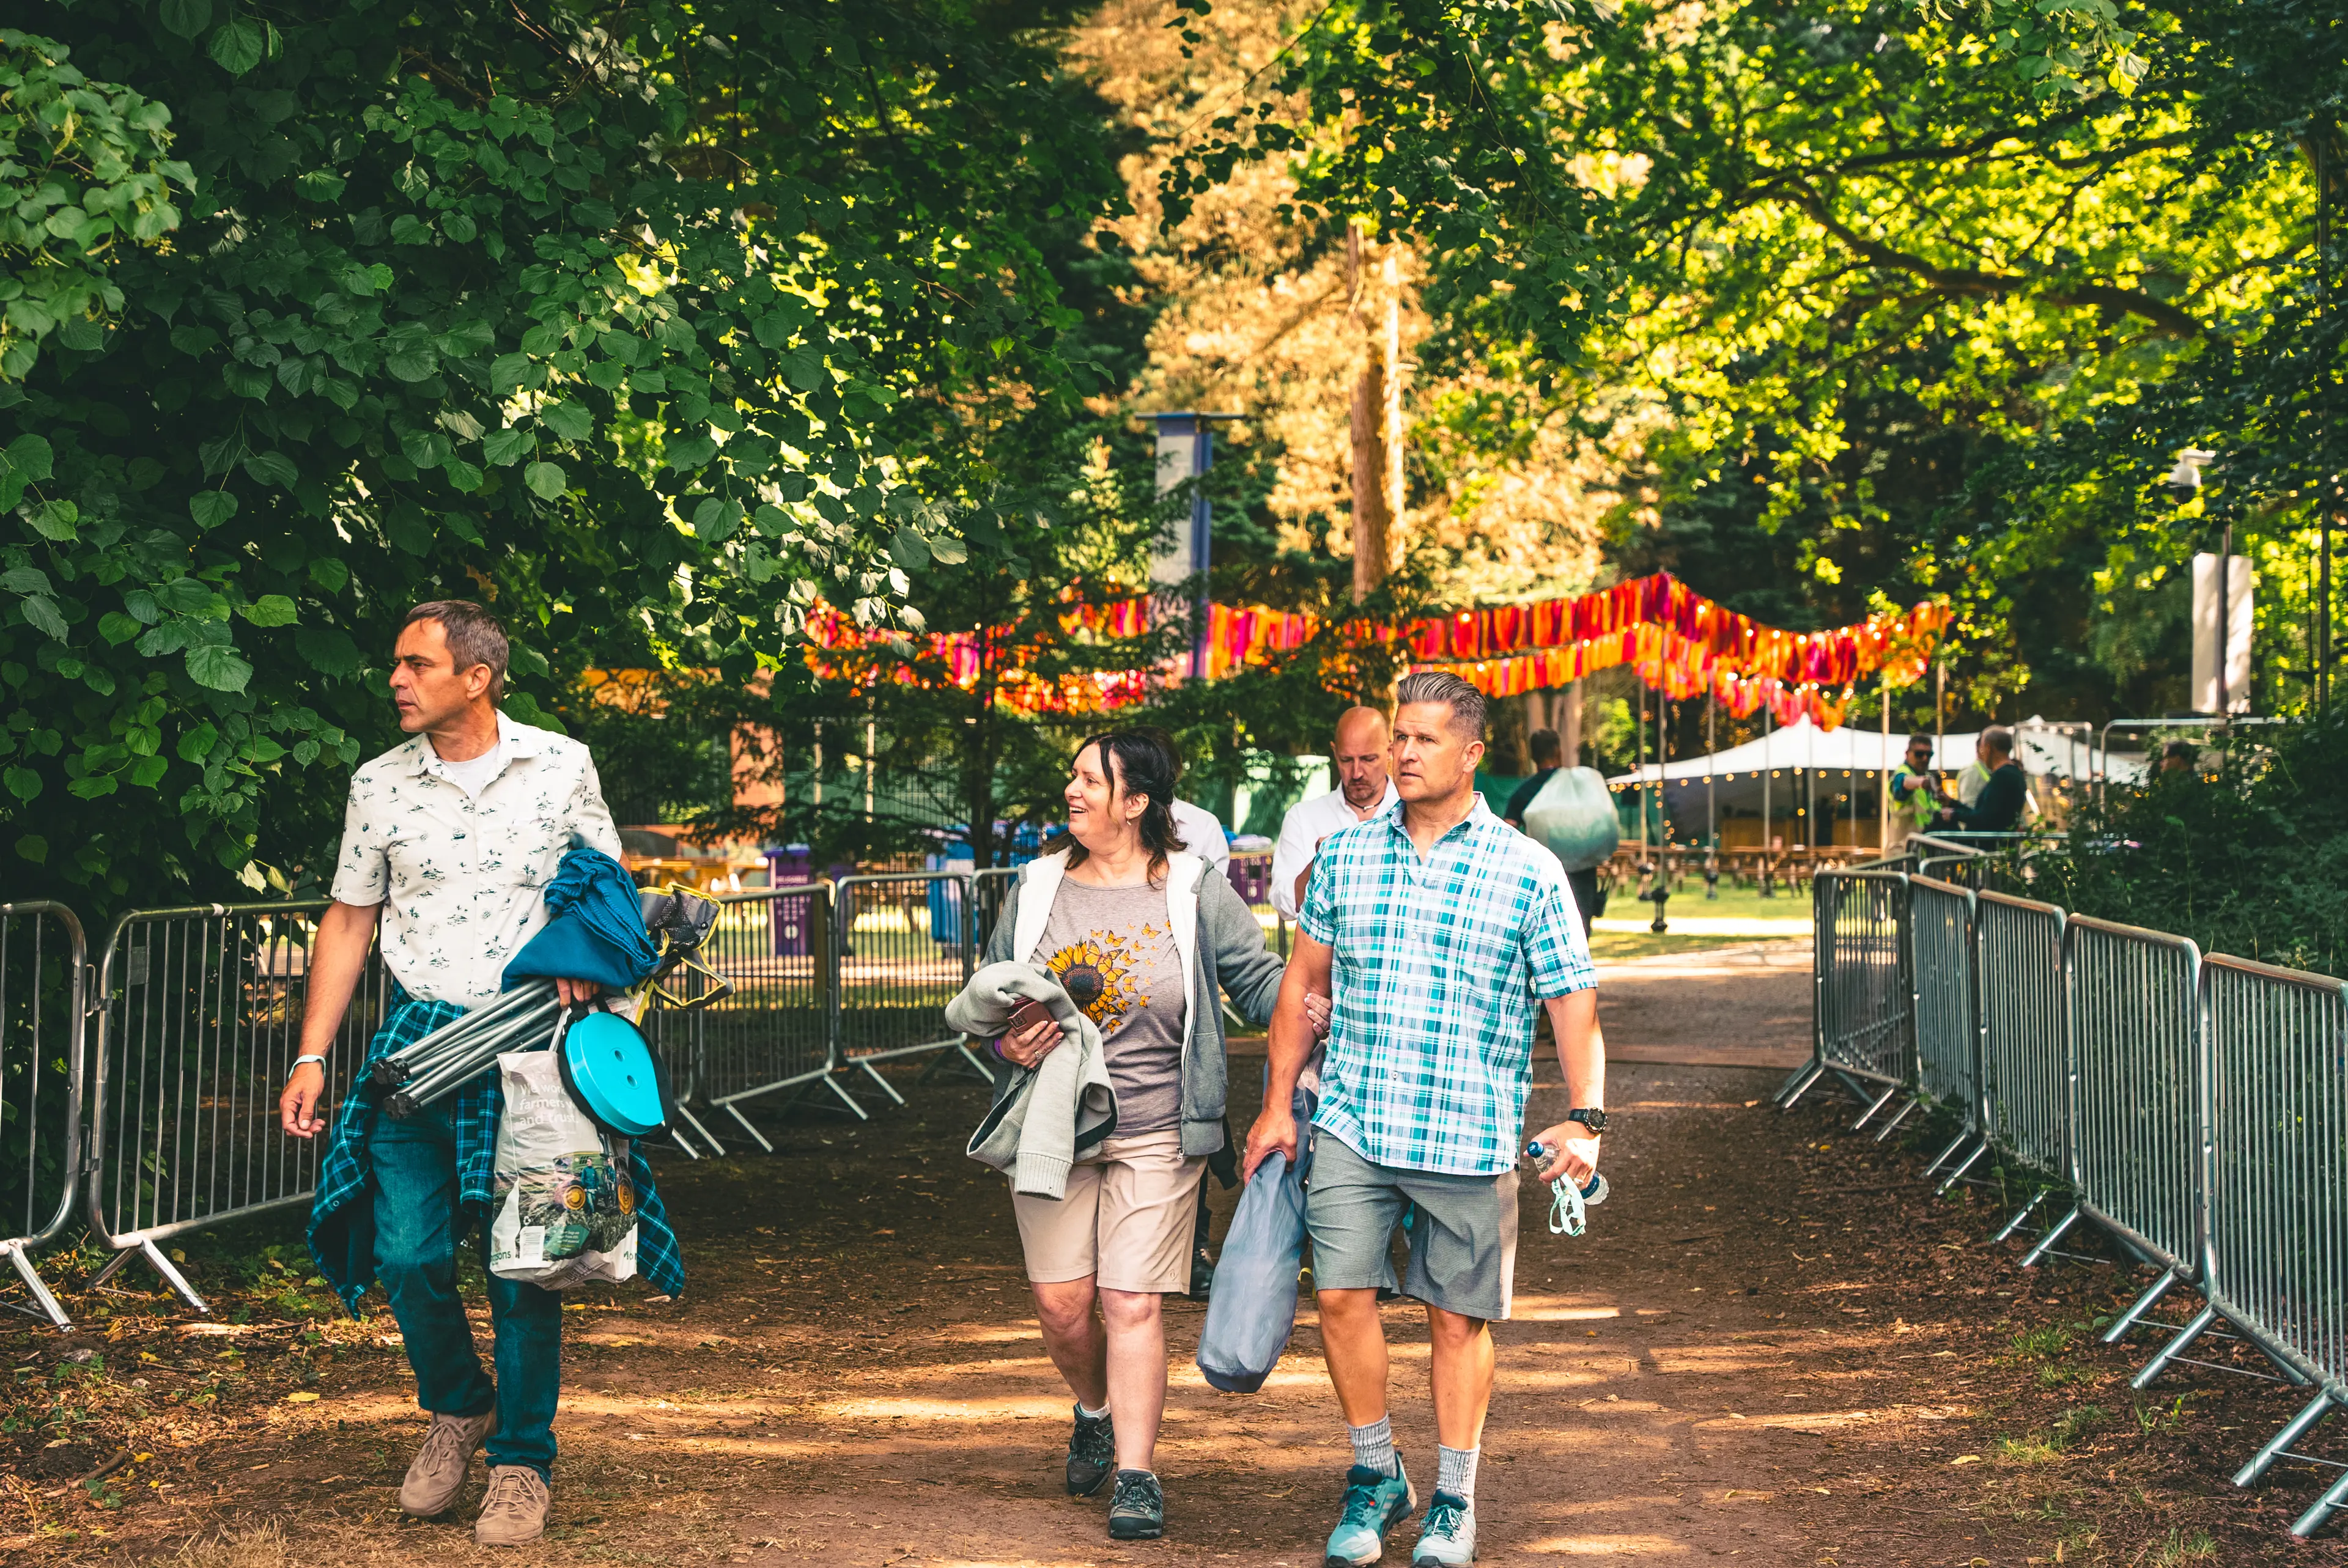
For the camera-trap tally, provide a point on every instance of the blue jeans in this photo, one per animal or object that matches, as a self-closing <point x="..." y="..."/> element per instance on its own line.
<point x="415" y="1234"/>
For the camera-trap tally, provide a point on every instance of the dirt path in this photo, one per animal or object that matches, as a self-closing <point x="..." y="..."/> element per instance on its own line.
<point x="1768" y="1348"/>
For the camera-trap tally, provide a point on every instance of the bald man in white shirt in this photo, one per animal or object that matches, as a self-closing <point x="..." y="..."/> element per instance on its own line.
<point x="1362" y="791"/>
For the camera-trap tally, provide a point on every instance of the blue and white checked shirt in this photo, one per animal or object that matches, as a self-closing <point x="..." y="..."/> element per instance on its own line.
<point x="1437" y="966"/>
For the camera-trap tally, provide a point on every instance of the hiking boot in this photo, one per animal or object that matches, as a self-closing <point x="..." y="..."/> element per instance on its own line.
<point x="1374" y="1503"/>
<point x="1092" y="1453"/>
<point x="438" y="1474"/>
<point x="1446" y="1538"/>
<point x="1137" y="1509"/>
<point x="1202" y="1274"/>
<point x="514" y="1512"/>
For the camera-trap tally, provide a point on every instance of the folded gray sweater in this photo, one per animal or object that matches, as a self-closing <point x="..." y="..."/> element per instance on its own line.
<point x="1056" y="1112"/>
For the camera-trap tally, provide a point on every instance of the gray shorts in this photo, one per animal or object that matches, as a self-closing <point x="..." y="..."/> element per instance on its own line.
<point x="1463" y="1243"/>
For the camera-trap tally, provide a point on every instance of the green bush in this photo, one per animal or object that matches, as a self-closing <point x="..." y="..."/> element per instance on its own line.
<point x="2252" y="860"/>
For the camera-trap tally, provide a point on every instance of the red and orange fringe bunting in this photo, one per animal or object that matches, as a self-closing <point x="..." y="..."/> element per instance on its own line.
<point x="1681" y="643"/>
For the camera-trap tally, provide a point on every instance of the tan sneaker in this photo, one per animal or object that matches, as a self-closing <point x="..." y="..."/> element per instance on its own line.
<point x="438" y="1474"/>
<point x="515" y="1509"/>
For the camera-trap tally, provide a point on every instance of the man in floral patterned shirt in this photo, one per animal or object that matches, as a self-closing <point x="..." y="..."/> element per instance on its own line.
<point x="448" y="842"/>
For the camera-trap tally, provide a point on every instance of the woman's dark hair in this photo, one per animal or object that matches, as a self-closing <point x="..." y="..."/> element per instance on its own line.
<point x="1137" y="762"/>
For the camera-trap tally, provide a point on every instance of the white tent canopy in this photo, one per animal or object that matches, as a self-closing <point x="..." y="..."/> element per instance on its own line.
<point x="2042" y="749"/>
<point x="1802" y="763"/>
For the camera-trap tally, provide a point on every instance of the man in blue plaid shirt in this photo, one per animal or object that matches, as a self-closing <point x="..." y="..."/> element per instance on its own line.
<point x="449" y="841"/>
<point x="1439" y="929"/>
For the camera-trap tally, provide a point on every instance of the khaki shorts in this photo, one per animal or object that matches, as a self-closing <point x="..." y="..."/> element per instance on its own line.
<point x="1126" y="1218"/>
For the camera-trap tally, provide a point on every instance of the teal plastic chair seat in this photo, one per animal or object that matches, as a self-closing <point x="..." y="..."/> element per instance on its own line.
<point x="612" y="1075"/>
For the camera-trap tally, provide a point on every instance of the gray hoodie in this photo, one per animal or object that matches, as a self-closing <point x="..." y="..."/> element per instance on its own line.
<point x="1222" y="948"/>
<point x="1052" y="1116"/>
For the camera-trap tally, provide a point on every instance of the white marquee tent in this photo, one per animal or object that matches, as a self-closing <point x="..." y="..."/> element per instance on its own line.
<point x="1788" y="762"/>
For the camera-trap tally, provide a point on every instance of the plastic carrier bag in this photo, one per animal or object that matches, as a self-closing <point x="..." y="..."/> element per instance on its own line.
<point x="565" y="1204"/>
<point x="1574" y="815"/>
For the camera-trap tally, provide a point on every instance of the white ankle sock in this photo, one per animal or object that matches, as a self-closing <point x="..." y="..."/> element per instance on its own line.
<point x="1455" y="1471"/>
<point x="1374" y="1446"/>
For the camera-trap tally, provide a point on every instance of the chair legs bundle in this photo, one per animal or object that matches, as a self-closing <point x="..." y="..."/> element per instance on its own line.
<point x="436" y="1065"/>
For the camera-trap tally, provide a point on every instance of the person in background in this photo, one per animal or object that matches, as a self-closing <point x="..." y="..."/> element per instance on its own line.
<point x="1548" y="758"/>
<point x="1916" y="799"/>
<point x="1444" y="932"/>
<point x="1548" y="755"/>
<point x="1201" y="830"/>
<point x="1362" y="791"/>
<point x="2181" y="757"/>
<point x="2004" y="793"/>
<point x="1120" y="912"/>
<point x="449" y="841"/>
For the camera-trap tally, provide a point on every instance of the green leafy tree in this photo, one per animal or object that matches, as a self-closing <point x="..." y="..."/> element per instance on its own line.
<point x="598" y="311"/>
<point x="1870" y="259"/>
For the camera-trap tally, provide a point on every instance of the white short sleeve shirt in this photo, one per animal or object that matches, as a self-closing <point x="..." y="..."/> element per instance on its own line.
<point x="1202" y="835"/>
<point x="1309" y="822"/>
<point x="462" y="876"/>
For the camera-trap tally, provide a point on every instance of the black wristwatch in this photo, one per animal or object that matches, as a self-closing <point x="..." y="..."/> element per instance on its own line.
<point x="1593" y="1120"/>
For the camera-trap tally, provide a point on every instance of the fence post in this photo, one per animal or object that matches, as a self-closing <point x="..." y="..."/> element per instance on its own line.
<point x="200" y="1015"/>
<point x="31" y="1021"/>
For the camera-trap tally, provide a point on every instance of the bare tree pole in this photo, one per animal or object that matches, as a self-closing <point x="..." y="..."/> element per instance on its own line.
<point x="1372" y="516"/>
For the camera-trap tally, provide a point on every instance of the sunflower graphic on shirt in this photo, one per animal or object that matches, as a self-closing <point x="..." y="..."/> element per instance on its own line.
<point x="1096" y="972"/>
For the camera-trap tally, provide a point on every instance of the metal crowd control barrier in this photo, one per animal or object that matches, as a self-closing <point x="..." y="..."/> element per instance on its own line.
<point x="1250" y="876"/>
<point x="989" y="891"/>
<point x="2276" y="1184"/>
<point x="199" y="1018"/>
<point x="773" y="1031"/>
<point x="1864" y="1033"/>
<point x="903" y="945"/>
<point x="2026" y="1066"/>
<point x="2135" y="1089"/>
<point x="1948" y="1014"/>
<point x="44" y="978"/>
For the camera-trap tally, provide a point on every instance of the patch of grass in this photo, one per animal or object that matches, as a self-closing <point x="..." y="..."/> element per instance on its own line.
<point x="2028" y="1451"/>
<point x="2180" y="1548"/>
<point x="2039" y="1344"/>
<point x="260" y="1545"/>
<point x="2055" y="1374"/>
<point x="2076" y="1423"/>
<point x="2076" y="1544"/>
<point x="2151" y="1417"/>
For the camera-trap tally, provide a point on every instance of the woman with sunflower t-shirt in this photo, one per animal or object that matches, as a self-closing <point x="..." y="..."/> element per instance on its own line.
<point x="1141" y="934"/>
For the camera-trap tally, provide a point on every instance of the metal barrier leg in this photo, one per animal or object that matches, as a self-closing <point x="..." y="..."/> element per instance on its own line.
<point x="1801" y="1083"/>
<point x="1874" y="1105"/>
<point x="2028" y="1209"/>
<point x="1797" y="1081"/>
<point x="2322" y="1509"/>
<point x="154" y="1254"/>
<point x="1897" y="1116"/>
<point x="1957" y="1172"/>
<point x="707" y="1137"/>
<point x="2252" y="1473"/>
<point x="1955" y="1144"/>
<point x="48" y="1303"/>
<point x="2046" y="1243"/>
<point x="736" y="1111"/>
<point x="848" y="1099"/>
<point x="886" y="1087"/>
<point x="2125" y="1322"/>
<point x="2176" y="1346"/>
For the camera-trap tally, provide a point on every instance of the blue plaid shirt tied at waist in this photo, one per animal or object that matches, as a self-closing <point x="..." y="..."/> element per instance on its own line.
<point x="1439" y="966"/>
<point x="341" y="1218"/>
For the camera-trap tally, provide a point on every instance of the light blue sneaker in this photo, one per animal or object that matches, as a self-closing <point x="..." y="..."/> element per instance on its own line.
<point x="1375" y="1504"/>
<point x="1446" y="1537"/>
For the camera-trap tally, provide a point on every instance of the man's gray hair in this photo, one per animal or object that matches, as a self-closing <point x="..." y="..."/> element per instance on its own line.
<point x="1999" y="739"/>
<point x="1466" y="702"/>
<point x="475" y="637"/>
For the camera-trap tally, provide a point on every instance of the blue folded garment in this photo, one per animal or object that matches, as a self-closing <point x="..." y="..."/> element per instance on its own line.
<point x="595" y="929"/>
<point x="1252" y="1310"/>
